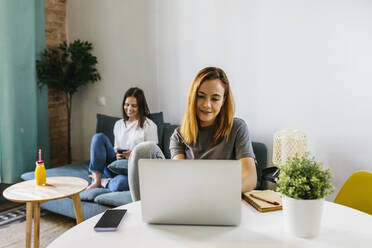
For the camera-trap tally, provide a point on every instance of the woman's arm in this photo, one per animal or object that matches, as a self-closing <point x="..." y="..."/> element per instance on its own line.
<point x="150" y="131"/>
<point x="115" y="131"/>
<point x="176" y="146"/>
<point x="249" y="174"/>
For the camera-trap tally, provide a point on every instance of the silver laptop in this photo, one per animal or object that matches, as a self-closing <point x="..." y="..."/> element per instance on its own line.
<point x="191" y="192"/>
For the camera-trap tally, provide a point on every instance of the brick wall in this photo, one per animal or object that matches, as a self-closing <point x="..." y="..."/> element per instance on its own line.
<point x="55" y="31"/>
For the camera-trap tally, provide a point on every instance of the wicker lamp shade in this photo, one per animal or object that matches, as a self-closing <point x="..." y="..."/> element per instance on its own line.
<point x="286" y="144"/>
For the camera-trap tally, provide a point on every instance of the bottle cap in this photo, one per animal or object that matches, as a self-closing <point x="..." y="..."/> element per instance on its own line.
<point x="40" y="162"/>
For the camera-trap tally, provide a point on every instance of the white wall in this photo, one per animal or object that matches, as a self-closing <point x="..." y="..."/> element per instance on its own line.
<point x="292" y="64"/>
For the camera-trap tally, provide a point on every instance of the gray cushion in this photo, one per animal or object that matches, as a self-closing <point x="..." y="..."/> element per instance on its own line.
<point x="91" y="194"/>
<point x="158" y="119"/>
<point x="66" y="207"/>
<point x="105" y="124"/>
<point x="114" y="198"/>
<point x="79" y="169"/>
<point x="119" y="167"/>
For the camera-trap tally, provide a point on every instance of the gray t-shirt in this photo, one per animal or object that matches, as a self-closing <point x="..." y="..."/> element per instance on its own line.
<point x="238" y="146"/>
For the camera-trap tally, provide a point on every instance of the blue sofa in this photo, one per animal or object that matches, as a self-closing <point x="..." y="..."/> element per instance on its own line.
<point x="95" y="201"/>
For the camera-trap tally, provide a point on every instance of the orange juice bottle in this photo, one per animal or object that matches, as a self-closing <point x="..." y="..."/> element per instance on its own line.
<point x="40" y="172"/>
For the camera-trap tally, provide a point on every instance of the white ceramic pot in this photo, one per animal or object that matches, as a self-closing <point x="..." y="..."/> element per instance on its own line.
<point x="302" y="218"/>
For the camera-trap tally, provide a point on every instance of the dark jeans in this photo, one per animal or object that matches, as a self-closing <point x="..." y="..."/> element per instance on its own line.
<point x="102" y="154"/>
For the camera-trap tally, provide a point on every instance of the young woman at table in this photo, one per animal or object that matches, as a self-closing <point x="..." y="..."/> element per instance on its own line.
<point x="208" y="131"/>
<point x="134" y="128"/>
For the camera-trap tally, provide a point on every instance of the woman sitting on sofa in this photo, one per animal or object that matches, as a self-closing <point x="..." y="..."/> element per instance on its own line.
<point x="134" y="128"/>
<point x="208" y="131"/>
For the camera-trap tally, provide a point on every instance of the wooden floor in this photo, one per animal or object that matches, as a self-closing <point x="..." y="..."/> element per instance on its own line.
<point x="51" y="226"/>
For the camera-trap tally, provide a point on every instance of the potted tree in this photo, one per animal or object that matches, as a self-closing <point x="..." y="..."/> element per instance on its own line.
<point x="67" y="68"/>
<point x="303" y="184"/>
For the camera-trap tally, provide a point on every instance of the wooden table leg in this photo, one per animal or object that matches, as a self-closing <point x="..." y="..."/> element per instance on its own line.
<point x="77" y="207"/>
<point x="28" y="224"/>
<point x="36" y="224"/>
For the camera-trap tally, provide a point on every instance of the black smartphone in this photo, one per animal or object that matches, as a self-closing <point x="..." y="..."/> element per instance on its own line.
<point x="122" y="150"/>
<point x="110" y="220"/>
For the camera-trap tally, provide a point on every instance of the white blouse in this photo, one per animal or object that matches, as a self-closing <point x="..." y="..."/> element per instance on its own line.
<point x="129" y="135"/>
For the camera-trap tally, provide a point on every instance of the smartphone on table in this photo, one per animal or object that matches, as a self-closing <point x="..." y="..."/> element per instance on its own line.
<point x="110" y="220"/>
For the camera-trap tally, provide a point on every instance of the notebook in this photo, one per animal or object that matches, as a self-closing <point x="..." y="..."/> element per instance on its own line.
<point x="263" y="206"/>
<point x="191" y="192"/>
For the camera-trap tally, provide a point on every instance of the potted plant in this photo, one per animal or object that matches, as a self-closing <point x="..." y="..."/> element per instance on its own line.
<point x="303" y="184"/>
<point x="67" y="68"/>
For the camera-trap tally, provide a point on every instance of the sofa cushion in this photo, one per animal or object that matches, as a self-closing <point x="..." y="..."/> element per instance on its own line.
<point x="79" y="169"/>
<point x="114" y="198"/>
<point x="105" y="124"/>
<point x="91" y="194"/>
<point x="65" y="207"/>
<point x="158" y="119"/>
<point x="119" y="167"/>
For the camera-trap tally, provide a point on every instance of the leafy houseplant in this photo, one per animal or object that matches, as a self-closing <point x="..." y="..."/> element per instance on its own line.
<point x="67" y="68"/>
<point x="303" y="184"/>
<point x="303" y="178"/>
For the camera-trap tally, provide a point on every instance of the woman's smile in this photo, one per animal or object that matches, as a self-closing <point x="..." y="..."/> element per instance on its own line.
<point x="206" y="112"/>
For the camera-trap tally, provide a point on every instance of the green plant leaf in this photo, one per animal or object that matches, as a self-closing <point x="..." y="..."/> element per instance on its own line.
<point x="68" y="67"/>
<point x="304" y="178"/>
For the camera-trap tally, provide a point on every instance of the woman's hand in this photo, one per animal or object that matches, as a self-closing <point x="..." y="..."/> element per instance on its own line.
<point x="179" y="157"/>
<point x="126" y="154"/>
<point x="249" y="174"/>
<point x="119" y="155"/>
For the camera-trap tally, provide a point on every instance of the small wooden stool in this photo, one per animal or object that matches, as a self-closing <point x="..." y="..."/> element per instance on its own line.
<point x="33" y="195"/>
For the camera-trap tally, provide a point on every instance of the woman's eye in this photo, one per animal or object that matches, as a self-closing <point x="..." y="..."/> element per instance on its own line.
<point x="200" y="96"/>
<point x="215" y="99"/>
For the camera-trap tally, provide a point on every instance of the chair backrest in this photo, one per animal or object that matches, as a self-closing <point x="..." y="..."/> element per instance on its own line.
<point x="357" y="192"/>
<point x="260" y="150"/>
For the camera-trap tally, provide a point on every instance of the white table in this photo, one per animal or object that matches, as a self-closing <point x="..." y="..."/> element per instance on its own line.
<point x="341" y="227"/>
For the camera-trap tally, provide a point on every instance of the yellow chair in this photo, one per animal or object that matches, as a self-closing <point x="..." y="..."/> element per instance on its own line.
<point x="357" y="192"/>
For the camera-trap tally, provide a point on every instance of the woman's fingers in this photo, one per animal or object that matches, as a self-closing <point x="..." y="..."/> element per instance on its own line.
<point x="126" y="154"/>
<point x="123" y="155"/>
<point x="119" y="156"/>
